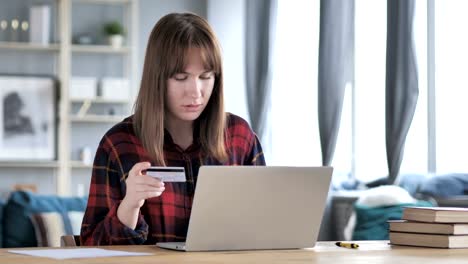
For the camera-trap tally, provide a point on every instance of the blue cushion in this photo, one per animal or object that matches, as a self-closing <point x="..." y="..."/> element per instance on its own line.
<point x="17" y="226"/>
<point x="444" y="186"/>
<point x="2" y="205"/>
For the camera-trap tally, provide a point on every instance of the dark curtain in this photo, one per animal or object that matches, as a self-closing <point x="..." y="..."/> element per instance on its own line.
<point x="260" y="27"/>
<point x="401" y="81"/>
<point x="336" y="68"/>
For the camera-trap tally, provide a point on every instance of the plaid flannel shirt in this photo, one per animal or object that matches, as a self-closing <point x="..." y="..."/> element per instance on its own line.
<point x="164" y="218"/>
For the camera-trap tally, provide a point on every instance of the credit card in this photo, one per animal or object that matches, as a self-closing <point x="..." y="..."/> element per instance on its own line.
<point x="167" y="174"/>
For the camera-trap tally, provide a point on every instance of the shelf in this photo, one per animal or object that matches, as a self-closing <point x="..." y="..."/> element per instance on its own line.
<point x="97" y="118"/>
<point x="77" y="164"/>
<point x="28" y="46"/>
<point x="101" y="1"/>
<point x="99" y="100"/>
<point x="28" y="164"/>
<point x="99" y="49"/>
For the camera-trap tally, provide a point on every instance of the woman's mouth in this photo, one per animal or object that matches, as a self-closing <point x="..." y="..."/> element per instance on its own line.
<point x="192" y="107"/>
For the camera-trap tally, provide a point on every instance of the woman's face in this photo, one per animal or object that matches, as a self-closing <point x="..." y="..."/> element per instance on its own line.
<point x="188" y="92"/>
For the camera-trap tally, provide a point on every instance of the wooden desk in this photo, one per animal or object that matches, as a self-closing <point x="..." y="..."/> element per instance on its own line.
<point x="325" y="252"/>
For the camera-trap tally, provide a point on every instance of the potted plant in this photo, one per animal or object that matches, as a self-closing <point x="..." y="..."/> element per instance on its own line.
<point x="114" y="31"/>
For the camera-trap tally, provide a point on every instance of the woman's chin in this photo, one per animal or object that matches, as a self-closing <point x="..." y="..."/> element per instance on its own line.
<point x="189" y="116"/>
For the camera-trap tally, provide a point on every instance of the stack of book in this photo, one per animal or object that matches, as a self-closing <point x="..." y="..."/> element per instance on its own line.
<point x="440" y="227"/>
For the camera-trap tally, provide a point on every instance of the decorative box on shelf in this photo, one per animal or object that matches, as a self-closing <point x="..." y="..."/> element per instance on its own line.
<point x="40" y="17"/>
<point x="83" y="87"/>
<point x="115" y="88"/>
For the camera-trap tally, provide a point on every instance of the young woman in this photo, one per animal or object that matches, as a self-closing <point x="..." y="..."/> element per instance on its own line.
<point x="179" y="120"/>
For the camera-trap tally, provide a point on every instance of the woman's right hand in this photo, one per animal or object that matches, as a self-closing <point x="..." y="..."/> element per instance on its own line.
<point x="141" y="186"/>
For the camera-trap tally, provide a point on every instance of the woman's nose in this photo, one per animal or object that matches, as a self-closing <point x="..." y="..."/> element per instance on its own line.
<point x="194" y="88"/>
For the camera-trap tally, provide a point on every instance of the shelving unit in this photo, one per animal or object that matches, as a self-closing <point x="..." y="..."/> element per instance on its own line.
<point x="97" y="118"/>
<point x="78" y="164"/>
<point x="103" y="1"/>
<point x="99" y="100"/>
<point x="70" y="125"/>
<point x="28" y="46"/>
<point x="99" y="49"/>
<point x="29" y="164"/>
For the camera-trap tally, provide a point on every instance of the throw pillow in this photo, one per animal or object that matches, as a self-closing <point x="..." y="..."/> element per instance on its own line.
<point x="371" y="222"/>
<point x="49" y="227"/>
<point x="2" y="205"/>
<point x="76" y="217"/>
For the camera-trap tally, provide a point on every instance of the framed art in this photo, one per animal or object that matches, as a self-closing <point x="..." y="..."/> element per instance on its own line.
<point x="27" y="117"/>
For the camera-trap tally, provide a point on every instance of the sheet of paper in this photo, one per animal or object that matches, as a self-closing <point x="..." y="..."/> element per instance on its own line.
<point x="77" y="253"/>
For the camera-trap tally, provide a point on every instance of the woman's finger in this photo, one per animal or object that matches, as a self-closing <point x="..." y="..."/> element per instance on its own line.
<point x="143" y="188"/>
<point x="149" y="181"/>
<point x="150" y="194"/>
<point x="138" y="167"/>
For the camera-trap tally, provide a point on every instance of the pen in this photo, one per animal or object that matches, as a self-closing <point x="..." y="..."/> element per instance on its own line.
<point x="347" y="245"/>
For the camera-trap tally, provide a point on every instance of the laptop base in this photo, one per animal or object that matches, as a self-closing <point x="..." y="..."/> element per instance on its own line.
<point x="179" y="246"/>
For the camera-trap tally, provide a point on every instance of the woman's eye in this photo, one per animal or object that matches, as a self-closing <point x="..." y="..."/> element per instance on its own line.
<point x="206" y="76"/>
<point x="180" y="77"/>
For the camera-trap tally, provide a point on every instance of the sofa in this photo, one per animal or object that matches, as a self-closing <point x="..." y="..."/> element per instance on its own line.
<point x="30" y="220"/>
<point x="448" y="190"/>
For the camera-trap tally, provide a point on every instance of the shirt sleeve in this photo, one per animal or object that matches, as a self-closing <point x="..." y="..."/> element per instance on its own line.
<point x="100" y="223"/>
<point x="255" y="155"/>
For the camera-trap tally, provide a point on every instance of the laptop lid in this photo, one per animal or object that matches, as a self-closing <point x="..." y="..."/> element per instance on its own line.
<point x="257" y="207"/>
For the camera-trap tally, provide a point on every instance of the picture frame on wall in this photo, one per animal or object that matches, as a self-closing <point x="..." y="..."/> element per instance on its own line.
<point x="28" y="117"/>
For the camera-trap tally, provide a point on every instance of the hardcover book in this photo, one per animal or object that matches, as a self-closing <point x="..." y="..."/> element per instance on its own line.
<point x="436" y="214"/>
<point x="429" y="240"/>
<point x="428" y="228"/>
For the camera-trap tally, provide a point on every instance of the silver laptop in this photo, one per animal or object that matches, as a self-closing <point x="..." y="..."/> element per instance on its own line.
<point x="256" y="207"/>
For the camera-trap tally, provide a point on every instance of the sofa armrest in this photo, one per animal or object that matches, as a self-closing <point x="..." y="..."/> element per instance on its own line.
<point x="453" y="201"/>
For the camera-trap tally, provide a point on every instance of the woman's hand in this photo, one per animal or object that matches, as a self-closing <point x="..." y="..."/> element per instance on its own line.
<point x="141" y="186"/>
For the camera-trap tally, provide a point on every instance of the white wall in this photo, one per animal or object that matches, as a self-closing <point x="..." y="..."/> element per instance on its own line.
<point x="227" y="19"/>
<point x="150" y="11"/>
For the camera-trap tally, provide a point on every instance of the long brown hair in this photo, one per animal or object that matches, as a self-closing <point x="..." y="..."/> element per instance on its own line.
<point x="166" y="55"/>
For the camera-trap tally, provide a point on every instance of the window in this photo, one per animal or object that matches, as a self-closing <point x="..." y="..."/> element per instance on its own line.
<point x="361" y="149"/>
<point x="370" y="52"/>
<point x="451" y="56"/>
<point x="370" y="69"/>
<point x="294" y="127"/>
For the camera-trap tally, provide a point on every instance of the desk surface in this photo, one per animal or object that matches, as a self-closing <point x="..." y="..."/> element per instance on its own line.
<point x="324" y="252"/>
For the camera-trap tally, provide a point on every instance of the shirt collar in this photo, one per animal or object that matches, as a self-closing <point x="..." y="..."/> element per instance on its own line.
<point x="170" y="144"/>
